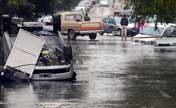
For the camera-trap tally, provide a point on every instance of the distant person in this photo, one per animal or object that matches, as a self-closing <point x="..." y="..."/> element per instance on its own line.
<point x="86" y="17"/>
<point x="140" y="24"/>
<point x="82" y="11"/>
<point x="124" y="24"/>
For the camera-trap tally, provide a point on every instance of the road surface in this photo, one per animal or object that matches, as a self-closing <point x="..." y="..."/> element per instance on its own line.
<point x="110" y="74"/>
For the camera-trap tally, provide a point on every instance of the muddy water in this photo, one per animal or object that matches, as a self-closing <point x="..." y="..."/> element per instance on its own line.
<point x="110" y="74"/>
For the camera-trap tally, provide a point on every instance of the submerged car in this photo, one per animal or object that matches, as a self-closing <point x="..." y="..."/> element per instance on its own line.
<point x="150" y="33"/>
<point x="167" y="42"/>
<point x="54" y="61"/>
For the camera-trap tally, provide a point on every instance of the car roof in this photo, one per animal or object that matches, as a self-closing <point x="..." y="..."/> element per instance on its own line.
<point x="163" y="25"/>
<point x="68" y="12"/>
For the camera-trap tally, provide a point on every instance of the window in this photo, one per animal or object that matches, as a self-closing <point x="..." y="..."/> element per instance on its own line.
<point x="112" y="21"/>
<point x="73" y="18"/>
<point x="173" y="33"/>
<point x="105" y="20"/>
<point x="167" y="32"/>
<point x="69" y="18"/>
<point x="78" y="17"/>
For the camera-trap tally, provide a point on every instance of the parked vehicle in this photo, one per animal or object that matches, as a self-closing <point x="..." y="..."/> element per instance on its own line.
<point x="83" y="6"/>
<point x="167" y="42"/>
<point x="73" y="24"/>
<point x="94" y="2"/>
<point x="104" y="3"/>
<point x="46" y="19"/>
<point x="150" y="33"/>
<point x="112" y="25"/>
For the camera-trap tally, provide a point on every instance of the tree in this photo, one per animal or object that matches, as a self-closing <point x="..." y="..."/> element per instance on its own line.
<point x="44" y="6"/>
<point x="21" y="8"/>
<point x="51" y="6"/>
<point x="26" y="8"/>
<point x="163" y="9"/>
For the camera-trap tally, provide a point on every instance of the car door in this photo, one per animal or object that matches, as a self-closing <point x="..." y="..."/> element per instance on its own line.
<point x="112" y="25"/>
<point x="106" y="24"/>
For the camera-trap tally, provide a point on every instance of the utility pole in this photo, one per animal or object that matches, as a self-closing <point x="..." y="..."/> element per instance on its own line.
<point x="1" y="12"/>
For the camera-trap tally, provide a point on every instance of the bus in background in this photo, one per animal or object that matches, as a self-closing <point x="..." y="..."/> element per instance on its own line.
<point x="104" y="3"/>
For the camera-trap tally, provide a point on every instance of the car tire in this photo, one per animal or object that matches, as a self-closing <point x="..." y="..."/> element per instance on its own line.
<point x="102" y="33"/>
<point x="93" y="36"/>
<point x="118" y="32"/>
<point x="71" y="34"/>
<point x="114" y="33"/>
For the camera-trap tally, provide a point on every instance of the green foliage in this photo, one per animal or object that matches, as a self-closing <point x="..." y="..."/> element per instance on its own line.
<point x="20" y="7"/>
<point x="28" y="7"/>
<point x="164" y="9"/>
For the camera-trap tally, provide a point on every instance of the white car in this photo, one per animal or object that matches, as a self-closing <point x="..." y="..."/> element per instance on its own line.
<point x="80" y="8"/>
<point x="104" y="3"/>
<point x="46" y="19"/>
<point x="167" y="42"/>
<point x="150" y="33"/>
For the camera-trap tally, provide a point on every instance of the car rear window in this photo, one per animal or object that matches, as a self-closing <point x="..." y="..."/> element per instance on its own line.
<point x="105" y="20"/>
<point x="112" y="21"/>
<point x="73" y="17"/>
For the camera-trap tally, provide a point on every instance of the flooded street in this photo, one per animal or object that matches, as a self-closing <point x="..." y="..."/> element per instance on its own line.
<point x="110" y="74"/>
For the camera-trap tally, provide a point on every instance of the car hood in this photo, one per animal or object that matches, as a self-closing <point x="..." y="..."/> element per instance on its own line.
<point x="145" y="36"/>
<point x="166" y="40"/>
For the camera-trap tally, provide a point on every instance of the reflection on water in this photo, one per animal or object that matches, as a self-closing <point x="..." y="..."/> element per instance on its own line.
<point x="49" y="91"/>
<point x="154" y="82"/>
<point x="110" y="74"/>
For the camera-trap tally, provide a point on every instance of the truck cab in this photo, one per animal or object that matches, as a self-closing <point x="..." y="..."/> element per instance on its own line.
<point x="73" y="25"/>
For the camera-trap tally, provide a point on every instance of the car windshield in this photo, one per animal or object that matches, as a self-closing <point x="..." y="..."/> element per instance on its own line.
<point x="173" y="34"/>
<point x="152" y="31"/>
<point x="131" y="20"/>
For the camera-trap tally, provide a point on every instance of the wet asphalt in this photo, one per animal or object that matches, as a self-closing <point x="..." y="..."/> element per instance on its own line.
<point x="110" y="74"/>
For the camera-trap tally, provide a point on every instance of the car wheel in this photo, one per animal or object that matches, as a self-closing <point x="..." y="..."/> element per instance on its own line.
<point x="117" y="32"/>
<point x="102" y="33"/>
<point x="114" y="33"/>
<point x="93" y="36"/>
<point x="71" y="34"/>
